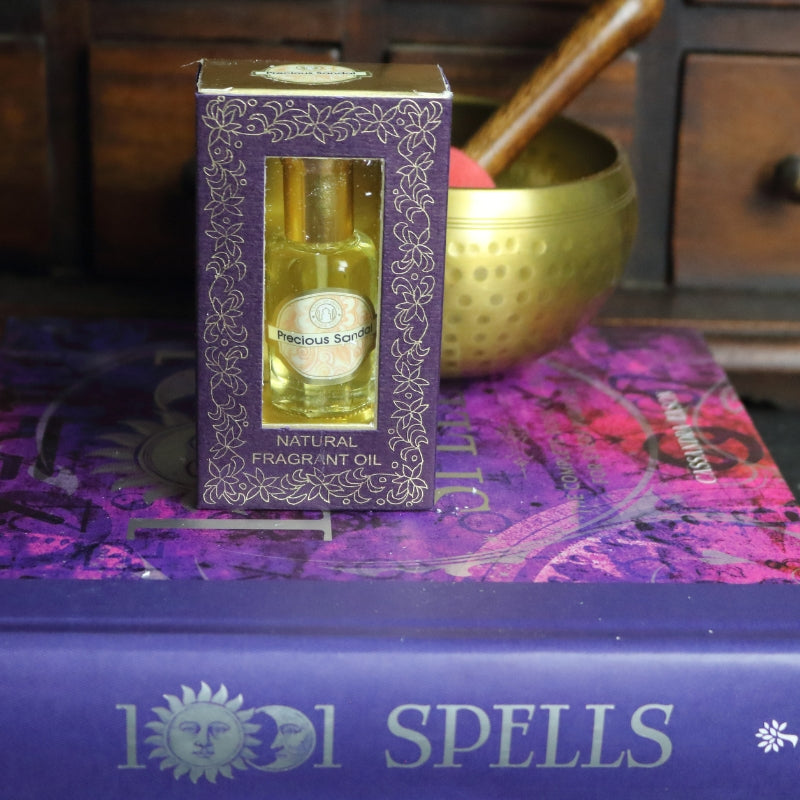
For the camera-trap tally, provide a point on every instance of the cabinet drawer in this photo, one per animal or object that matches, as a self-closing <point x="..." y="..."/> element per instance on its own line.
<point x="740" y="119"/>
<point x="143" y="147"/>
<point x="24" y="190"/>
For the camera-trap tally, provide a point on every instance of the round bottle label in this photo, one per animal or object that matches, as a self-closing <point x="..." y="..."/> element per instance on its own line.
<point x="325" y="335"/>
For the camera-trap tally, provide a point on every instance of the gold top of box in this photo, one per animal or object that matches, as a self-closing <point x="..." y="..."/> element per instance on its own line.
<point x="219" y="76"/>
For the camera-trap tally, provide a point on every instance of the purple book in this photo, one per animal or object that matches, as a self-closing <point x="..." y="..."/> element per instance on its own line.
<point x="563" y="624"/>
<point x="625" y="456"/>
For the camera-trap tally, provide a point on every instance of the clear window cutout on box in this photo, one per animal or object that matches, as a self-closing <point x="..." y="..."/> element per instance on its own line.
<point x="322" y="280"/>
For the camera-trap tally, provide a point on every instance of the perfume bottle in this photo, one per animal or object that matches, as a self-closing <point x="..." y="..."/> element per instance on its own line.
<point x="321" y="292"/>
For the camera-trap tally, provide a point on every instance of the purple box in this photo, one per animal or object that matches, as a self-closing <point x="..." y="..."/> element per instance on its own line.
<point x="321" y="217"/>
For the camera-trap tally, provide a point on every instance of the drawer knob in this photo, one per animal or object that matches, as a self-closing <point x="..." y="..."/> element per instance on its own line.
<point x="786" y="178"/>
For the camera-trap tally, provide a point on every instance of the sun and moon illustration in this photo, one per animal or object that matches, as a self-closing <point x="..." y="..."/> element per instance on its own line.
<point x="156" y="455"/>
<point x="205" y="734"/>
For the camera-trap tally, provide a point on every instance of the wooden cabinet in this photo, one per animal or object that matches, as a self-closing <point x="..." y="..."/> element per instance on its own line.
<point x="97" y="113"/>
<point x="111" y="174"/>
<point x="141" y="74"/>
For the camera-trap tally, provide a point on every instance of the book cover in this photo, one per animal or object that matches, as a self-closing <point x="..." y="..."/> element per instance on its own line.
<point x="601" y="602"/>
<point x="626" y="456"/>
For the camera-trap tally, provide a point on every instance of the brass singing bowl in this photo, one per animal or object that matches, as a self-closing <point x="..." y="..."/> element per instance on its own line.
<point x="531" y="261"/>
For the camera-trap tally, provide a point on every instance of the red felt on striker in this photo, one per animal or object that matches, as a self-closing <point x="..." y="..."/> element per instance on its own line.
<point x="466" y="173"/>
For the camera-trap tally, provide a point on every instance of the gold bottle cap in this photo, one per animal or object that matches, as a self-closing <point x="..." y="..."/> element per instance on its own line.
<point x="318" y="199"/>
